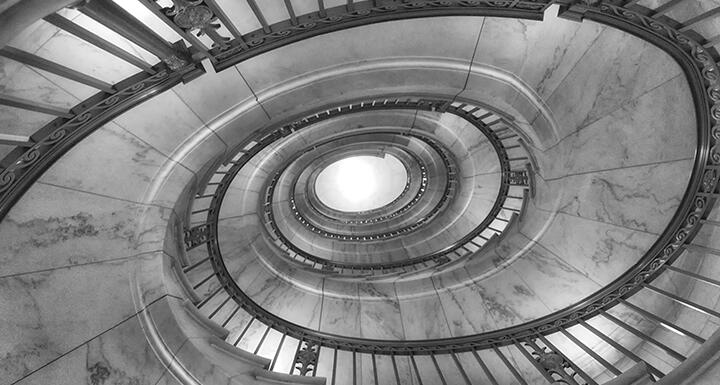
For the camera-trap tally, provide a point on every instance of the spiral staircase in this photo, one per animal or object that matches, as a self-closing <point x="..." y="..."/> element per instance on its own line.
<point x="164" y="215"/>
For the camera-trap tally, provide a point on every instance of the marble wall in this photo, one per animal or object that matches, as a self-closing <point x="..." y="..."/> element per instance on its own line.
<point x="72" y="268"/>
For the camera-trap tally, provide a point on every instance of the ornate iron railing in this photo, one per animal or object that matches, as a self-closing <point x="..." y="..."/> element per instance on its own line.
<point x="697" y="59"/>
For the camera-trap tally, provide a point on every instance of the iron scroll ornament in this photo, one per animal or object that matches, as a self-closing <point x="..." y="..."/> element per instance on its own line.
<point x="23" y="166"/>
<point x="364" y="13"/>
<point x="695" y="61"/>
<point x="704" y="80"/>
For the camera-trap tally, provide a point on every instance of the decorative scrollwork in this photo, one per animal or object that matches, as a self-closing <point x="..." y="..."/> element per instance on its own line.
<point x="21" y="170"/>
<point x="191" y="15"/>
<point x="197" y="236"/>
<point x="556" y="366"/>
<point x="306" y="358"/>
<point x="518" y="178"/>
<point x="697" y="63"/>
<point x="331" y="20"/>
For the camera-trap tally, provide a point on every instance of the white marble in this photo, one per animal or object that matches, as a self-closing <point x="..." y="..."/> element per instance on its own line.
<point x="443" y="37"/>
<point x="380" y="312"/>
<point x="616" y="69"/>
<point x="62" y="309"/>
<point x="606" y="250"/>
<point x="465" y="314"/>
<point x="641" y="198"/>
<point x="508" y="299"/>
<point x="369" y="80"/>
<point x="662" y="121"/>
<point x="547" y="276"/>
<point x="172" y="125"/>
<point x="422" y="311"/>
<point x="39" y="234"/>
<point x="132" y="164"/>
<point x="213" y="93"/>
<point x="119" y="356"/>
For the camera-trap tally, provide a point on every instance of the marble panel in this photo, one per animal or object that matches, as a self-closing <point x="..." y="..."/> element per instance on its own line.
<point x="166" y="122"/>
<point x="422" y="311"/>
<point x="642" y="198"/>
<point x="34" y="36"/>
<point x="380" y="311"/>
<point x="547" y="275"/>
<point x="119" y="356"/>
<point x="611" y="141"/>
<point x="49" y="325"/>
<point x="239" y="124"/>
<point x="465" y="314"/>
<point x="508" y="299"/>
<point x="214" y="93"/>
<point x="39" y="234"/>
<point x="293" y="303"/>
<point x="237" y="233"/>
<point x="616" y="69"/>
<point x="490" y="86"/>
<point x="599" y="250"/>
<point x="132" y="163"/>
<point x="170" y="188"/>
<point x="442" y="37"/>
<point x="341" y="308"/>
<point x="535" y="221"/>
<point x="540" y="52"/>
<point x="365" y="83"/>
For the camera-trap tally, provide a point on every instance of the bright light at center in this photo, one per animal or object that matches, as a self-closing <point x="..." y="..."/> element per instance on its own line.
<point x="361" y="183"/>
<point x="355" y="180"/>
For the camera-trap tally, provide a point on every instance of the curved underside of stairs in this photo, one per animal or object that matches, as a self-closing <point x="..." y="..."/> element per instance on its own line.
<point x="557" y="221"/>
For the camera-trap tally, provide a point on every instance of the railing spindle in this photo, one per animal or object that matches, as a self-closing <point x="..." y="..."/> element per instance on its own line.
<point x="620" y="348"/>
<point x="591" y="353"/>
<point x="507" y="363"/>
<point x="485" y="369"/>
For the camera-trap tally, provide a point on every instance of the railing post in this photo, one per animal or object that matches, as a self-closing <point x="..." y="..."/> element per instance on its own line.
<point x="116" y="18"/>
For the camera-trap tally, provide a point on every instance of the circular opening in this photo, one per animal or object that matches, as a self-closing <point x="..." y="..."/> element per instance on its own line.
<point x="361" y="183"/>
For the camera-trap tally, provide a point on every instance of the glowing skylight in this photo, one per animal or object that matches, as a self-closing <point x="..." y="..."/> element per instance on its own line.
<point x="361" y="183"/>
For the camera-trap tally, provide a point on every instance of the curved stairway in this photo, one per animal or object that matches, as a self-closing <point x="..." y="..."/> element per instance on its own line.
<point x="108" y="252"/>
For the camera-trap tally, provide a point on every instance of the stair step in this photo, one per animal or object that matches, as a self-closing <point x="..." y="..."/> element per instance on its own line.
<point x="242" y="355"/>
<point x="184" y="283"/>
<point x="213" y="326"/>
<point x="282" y="378"/>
